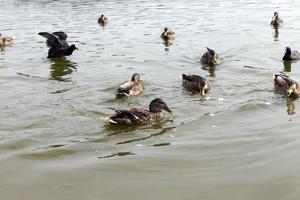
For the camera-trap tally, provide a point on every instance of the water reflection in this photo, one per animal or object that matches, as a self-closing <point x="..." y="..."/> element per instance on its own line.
<point x="211" y="70"/>
<point x="61" y="67"/>
<point x="167" y="44"/>
<point x="291" y="110"/>
<point x="287" y="66"/>
<point x="276" y="33"/>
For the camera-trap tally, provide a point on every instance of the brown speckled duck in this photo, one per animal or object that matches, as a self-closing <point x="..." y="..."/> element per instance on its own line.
<point x="289" y="55"/>
<point x="137" y="116"/>
<point x="5" y="41"/>
<point x="168" y="34"/>
<point x="103" y="20"/>
<point x="196" y="84"/>
<point x="276" y="21"/>
<point x="132" y="87"/>
<point x="210" y="58"/>
<point x="287" y="86"/>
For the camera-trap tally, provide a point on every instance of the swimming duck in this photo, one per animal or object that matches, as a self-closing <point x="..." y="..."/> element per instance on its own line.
<point x="103" y="20"/>
<point x="210" y="58"/>
<point x="168" y="35"/>
<point x="289" y="55"/>
<point x="137" y="116"/>
<point x="132" y="87"/>
<point x="195" y="83"/>
<point x="5" y="41"/>
<point x="58" y="45"/>
<point x="285" y="85"/>
<point x="276" y="21"/>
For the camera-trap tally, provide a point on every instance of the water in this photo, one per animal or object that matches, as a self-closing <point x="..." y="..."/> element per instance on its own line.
<point x="241" y="143"/>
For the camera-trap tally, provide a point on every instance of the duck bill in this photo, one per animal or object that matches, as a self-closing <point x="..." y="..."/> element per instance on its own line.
<point x="289" y="91"/>
<point x="167" y="109"/>
<point x="216" y="60"/>
<point x="202" y="92"/>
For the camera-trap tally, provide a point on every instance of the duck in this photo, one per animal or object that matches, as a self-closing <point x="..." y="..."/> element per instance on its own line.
<point x="276" y="21"/>
<point x="103" y="20"/>
<point x="5" y="41"/>
<point x="289" y="55"/>
<point x="287" y="86"/>
<point x="196" y="84"/>
<point x="210" y="58"/>
<point x="59" y="47"/>
<point x="132" y="87"/>
<point x="168" y="34"/>
<point x="138" y="116"/>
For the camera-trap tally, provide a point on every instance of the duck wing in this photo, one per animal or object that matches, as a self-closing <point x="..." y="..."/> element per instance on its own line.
<point x="295" y="55"/>
<point x="128" y="117"/>
<point x="192" y="82"/>
<point x="283" y="81"/>
<point x="53" y="41"/>
<point x="193" y="78"/>
<point x="125" y="88"/>
<point x="61" y="35"/>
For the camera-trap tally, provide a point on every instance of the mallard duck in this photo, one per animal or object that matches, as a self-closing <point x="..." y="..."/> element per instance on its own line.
<point x="289" y="55"/>
<point x="210" y="58"/>
<point x="5" y="41"/>
<point x="195" y="83"/>
<point x="132" y="87"/>
<point x="168" y="35"/>
<point x="103" y="20"/>
<point x="285" y="85"/>
<point x="59" y="47"/>
<point x="137" y="116"/>
<point x="276" y="21"/>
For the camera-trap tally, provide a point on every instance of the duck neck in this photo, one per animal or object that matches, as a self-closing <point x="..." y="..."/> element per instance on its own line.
<point x="69" y="51"/>
<point x="287" y="57"/>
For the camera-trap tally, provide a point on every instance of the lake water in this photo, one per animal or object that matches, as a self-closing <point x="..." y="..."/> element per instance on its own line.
<point x="243" y="142"/>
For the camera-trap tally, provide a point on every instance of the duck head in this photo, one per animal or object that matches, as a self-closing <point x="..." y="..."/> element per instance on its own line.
<point x="275" y="15"/>
<point x="158" y="105"/>
<point x="213" y="54"/>
<point x="287" y="54"/>
<point x="166" y="30"/>
<point x="288" y="51"/>
<point x="203" y="86"/>
<point x="73" y="47"/>
<point x="136" y="77"/>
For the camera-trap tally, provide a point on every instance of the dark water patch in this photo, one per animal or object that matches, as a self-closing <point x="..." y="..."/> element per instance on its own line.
<point x="118" y="154"/>
<point x="161" y="144"/>
<point x="48" y="154"/>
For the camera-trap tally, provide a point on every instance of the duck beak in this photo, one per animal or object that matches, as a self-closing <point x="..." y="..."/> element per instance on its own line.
<point x="202" y="92"/>
<point x="289" y="91"/>
<point x="167" y="109"/>
<point x="216" y="60"/>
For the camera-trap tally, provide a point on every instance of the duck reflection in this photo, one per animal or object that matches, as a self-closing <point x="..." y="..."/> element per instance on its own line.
<point x="210" y="69"/>
<point x="167" y="44"/>
<point x="291" y="110"/>
<point x="287" y="66"/>
<point x="276" y="33"/>
<point x="60" y="67"/>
